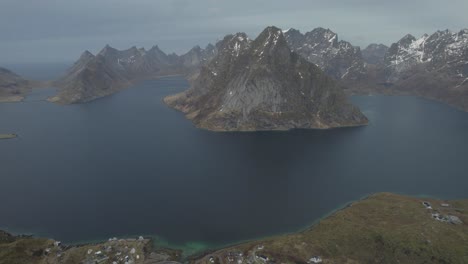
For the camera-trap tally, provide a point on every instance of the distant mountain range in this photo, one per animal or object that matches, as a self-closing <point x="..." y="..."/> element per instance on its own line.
<point x="336" y="58"/>
<point x="262" y="85"/>
<point x="374" y="53"/>
<point x="95" y="76"/>
<point x="432" y="66"/>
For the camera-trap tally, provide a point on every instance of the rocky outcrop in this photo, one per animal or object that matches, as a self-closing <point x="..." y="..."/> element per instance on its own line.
<point x="263" y="85"/>
<point x="12" y="87"/>
<point x="337" y="58"/>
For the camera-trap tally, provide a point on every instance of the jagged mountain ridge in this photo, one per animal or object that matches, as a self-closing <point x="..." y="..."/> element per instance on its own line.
<point x="321" y="46"/>
<point x="95" y="76"/>
<point x="442" y="51"/>
<point x="432" y="66"/>
<point x="262" y="85"/>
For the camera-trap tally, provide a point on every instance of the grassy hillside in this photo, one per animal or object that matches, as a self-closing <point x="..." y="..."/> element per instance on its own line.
<point x="384" y="228"/>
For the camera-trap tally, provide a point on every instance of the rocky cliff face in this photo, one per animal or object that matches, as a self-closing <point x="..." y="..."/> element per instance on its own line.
<point x="336" y="58"/>
<point x="263" y="85"/>
<point x="443" y="51"/>
<point x="432" y="66"/>
<point x="12" y="86"/>
<point x="95" y="76"/>
<point x="374" y="53"/>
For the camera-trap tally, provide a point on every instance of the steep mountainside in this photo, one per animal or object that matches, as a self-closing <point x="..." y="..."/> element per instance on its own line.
<point x="374" y="53"/>
<point x="12" y="87"/>
<point x="336" y="58"/>
<point x="95" y="76"/>
<point x="263" y="85"/>
<point x="432" y="66"/>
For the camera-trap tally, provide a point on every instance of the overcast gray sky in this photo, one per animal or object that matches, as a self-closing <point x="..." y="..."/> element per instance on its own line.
<point x="59" y="30"/>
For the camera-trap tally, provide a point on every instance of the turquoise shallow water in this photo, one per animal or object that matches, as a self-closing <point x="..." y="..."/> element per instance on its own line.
<point x="129" y="165"/>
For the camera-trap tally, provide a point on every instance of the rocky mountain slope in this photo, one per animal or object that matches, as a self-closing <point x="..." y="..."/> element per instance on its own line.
<point x="374" y="53"/>
<point x="12" y="87"/>
<point x="262" y="85"/>
<point x="337" y="58"/>
<point x="432" y="66"/>
<point x="95" y="76"/>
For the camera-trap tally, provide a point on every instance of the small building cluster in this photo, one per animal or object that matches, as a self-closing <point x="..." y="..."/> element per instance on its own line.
<point x="235" y="257"/>
<point x="452" y="219"/>
<point x="115" y="251"/>
<point x="256" y="255"/>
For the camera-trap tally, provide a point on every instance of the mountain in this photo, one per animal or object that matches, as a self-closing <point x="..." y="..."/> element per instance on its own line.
<point x="374" y="53"/>
<point x="111" y="70"/>
<point x="198" y="56"/>
<point x="337" y="58"/>
<point x="263" y="85"/>
<point x="432" y="66"/>
<point x="195" y="58"/>
<point x="12" y="86"/>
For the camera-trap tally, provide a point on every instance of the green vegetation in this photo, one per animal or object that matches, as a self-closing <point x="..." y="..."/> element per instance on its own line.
<point x="22" y="250"/>
<point x="384" y="228"/>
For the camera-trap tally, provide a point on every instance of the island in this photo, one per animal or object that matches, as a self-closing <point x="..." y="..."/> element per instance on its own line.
<point x="8" y="136"/>
<point x="260" y="84"/>
<point x="381" y="228"/>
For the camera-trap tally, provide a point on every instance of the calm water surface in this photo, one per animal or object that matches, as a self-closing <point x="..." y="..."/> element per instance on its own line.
<point x="129" y="165"/>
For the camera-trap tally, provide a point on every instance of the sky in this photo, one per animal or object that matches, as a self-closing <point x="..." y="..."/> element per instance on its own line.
<point x="39" y="31"/>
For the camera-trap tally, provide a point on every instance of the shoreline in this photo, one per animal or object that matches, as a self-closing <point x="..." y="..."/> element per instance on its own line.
<point x="187" y="250"/>
<point x="364" y="218"/>
<point x="208" y="247"/>
<point x="166" y="100"/>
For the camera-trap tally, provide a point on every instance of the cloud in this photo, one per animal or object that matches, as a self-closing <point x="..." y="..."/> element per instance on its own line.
<point x="65" y="28"/>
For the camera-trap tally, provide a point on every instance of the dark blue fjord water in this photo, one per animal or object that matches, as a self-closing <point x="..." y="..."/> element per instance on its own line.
<point x="129" y="165"/>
